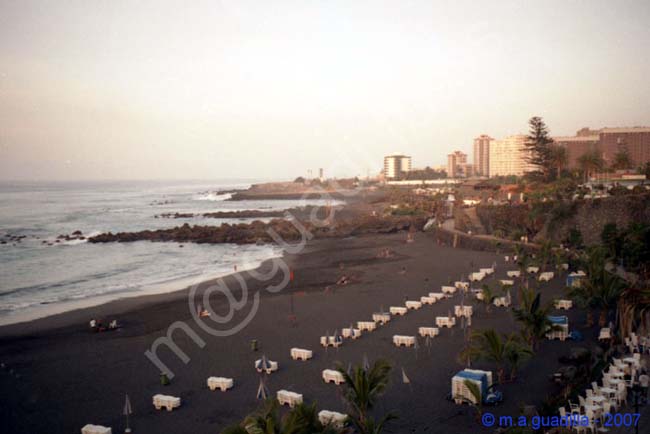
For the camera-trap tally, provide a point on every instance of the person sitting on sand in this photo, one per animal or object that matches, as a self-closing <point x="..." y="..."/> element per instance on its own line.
<point x="93" y="325"/>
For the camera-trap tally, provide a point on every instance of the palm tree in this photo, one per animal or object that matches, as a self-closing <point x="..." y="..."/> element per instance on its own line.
<point x="634" y="310"/>
<point x="622" y="159"/>
<point x="558" y="158"/>
<point x="488" y="297"/>
<point x="590" y="162"/>
<point x="499" y="349"/>
<point x="533" y="317"/>
<point x="477" y="403"/>
<point x="362" y="388"/>
<point x="607" y="295"/>
<point x="301" y="419"/>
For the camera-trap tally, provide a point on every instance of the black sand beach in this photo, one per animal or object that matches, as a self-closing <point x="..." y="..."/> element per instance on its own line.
<point x="58" y="376"/>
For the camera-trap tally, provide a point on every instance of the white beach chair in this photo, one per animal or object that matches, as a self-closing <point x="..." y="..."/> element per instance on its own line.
<point x="429" y="331"/>
<point x="546" y="276"/>
<point x="448" y="289"/>
<point x="301" y="354"/>
<point x="221" y="383"/>
<point x="428" y="300"/>
<point x="290" y="398"/>
<point x="501" y="302"/>
<point x="532" y="270"/>
<point x="327" y="341"/>
<point x="437" y="295"/>
<point x="476" y="276"/>
<point x="381" y="317"/>
<point x="273" y="366"/>
<point x="333" y="376"/>
<point x="398" y="310"/>
<point x="169" y="402"/>
<point x="401" y="340"/>
<point x="465" y="311"/>
<point x="513" y="273"/>
<point x="366" y="325"/>
<point x="445" y="321"/>
<point x="351" y="333"/>
<point x="96" y="429"/>
<point x="412" y="304"/>
<point x="507" y="282"/>
<point x="487" y="271"/>
<point x="461" y="285"/>
<point x="332" y="418"/>
<point x="563" y="304"/>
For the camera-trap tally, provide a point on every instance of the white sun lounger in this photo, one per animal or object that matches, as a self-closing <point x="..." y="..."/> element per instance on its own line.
<point x="332" y="376"/>
<point x="506" y="258"/>
<point x="301" y="354"/>
<point x="381" y="317"/>
<point x="429" y="331"/>
<point x="412" y="304"/>
<point x="532" y="270"/>
<point x="96" y="429"/>
<point x="398" y="310"/>
<point x="290" y="398"/>
<point x="501" y="301"/>
<point x="546" y="276"/>
<point x="487" y="271"/>
<point x="507" y="282"/>
<point x="564" y="266"/>
<point x="221" y="383"/>
<point x="604" y="334"/>
<point x="401" y="340"/>
<point x="477" y="276"/>
<point x="479" y="294"/>
<point x="465" y="311"/>
<point x="448" y="289"/>
<point x="461" y="285"/>
<point x="169" y="402"/>
<point x="445" y="321"/>
<point x="273" y="366"/>
<point x="327" y="341"/>
<point x="367" y="325"/>
<point x="333" y="418"/>
<point x="563" y="304"/>
<point x="513" y="273"/>
<point x="562" y="334"/>
<point x="428" y="300"/>
<point x="437" y="295"/>
<point x="351" y="333"/>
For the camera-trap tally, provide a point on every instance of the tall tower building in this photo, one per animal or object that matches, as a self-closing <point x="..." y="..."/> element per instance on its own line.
<point x="456" y="161"/>
<point x="508" y="156"/>
<point x="482" y="155"/>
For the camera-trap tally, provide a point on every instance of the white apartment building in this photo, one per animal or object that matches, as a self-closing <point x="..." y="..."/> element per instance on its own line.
<point x="395" y="165"/>
<point x="508" y="156"/>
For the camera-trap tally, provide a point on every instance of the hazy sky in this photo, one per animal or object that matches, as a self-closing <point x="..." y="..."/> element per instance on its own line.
<point x="269" y="89"/>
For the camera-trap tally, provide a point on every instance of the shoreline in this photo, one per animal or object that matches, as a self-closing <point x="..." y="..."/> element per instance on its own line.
<point x="100" y="303"/>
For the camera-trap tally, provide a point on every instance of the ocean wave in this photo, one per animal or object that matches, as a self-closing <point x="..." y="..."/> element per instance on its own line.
<point x="213" y="197"/>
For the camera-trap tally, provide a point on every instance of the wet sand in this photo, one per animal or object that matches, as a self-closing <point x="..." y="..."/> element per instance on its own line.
<point x="58" y="376"/>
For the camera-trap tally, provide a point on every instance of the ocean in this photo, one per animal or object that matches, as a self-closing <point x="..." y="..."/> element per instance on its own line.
<point x="40" y="277"/>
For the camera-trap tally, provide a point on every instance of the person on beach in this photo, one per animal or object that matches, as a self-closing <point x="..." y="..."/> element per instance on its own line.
<point x="93" y="325"/>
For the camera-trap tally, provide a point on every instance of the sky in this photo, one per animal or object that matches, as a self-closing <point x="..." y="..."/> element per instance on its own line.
<point x="271" y="89"/>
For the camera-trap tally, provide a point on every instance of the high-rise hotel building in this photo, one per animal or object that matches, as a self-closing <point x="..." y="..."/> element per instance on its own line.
<point x="509" y="156"/>
<point x="482" y="155"/>
<point x="396" y="165"/>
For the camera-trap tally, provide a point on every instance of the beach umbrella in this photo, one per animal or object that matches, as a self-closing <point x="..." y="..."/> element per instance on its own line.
<point x="366" y="364"/>
<point x="127" y="411"/>
<point x="349" y="370"/>
<point x="416" y="346"/>
<point x="262" y="393"/>
<point x="263" y="364"/>
<point x="405" y="379"/>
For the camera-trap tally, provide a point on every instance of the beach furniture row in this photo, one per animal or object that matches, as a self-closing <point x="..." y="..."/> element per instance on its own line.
<point x="351" y="333"/>
<point x="561" y="324"/>
<point x="289" y="398"/>
<point x="507" y="282"/>
<point x="332" y="418"/>
<point x="333" y="376"/>
<point x="301" y="354"/>
<point x="513" y="273"/>
<point x="563" y="304"/>
<point x="546" y="276"/>
<point x="465" y="311"/>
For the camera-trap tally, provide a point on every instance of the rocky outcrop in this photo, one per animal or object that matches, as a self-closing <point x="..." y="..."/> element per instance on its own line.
<point x="259" y="232"/>
<point x="251" y="213"/>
